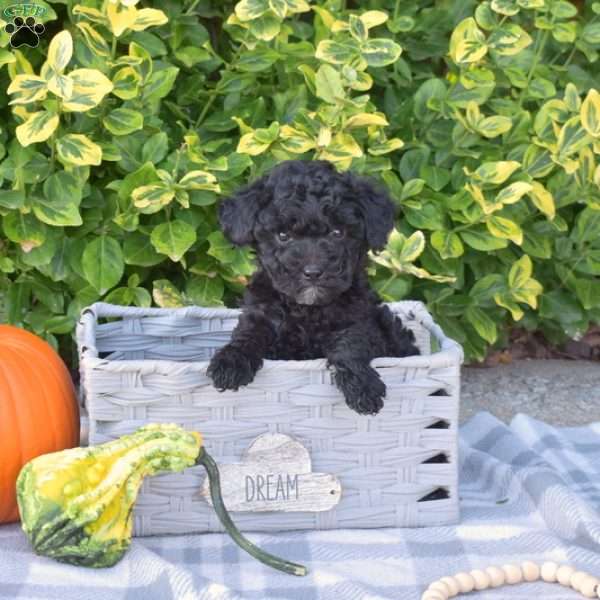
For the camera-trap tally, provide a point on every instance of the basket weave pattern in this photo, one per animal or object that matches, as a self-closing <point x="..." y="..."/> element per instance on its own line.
<point x="149" y="365"/>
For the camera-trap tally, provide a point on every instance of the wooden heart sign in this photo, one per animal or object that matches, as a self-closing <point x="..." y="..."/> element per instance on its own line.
<point x="275" y="475"/>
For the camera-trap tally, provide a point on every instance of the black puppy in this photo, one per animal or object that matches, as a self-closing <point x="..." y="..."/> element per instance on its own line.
<point x="311" y="228"/>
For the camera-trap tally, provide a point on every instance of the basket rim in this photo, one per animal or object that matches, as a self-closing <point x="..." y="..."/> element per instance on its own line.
<point x="450" y="354"/>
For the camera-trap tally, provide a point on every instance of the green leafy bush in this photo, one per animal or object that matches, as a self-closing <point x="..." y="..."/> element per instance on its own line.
<point x="122" y="130"/>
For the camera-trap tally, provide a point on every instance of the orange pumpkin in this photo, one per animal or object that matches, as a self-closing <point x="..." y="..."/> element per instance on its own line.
<point x="38" y="408"/>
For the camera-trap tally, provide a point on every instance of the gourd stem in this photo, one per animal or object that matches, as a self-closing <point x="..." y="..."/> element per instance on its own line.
<point x="212" y="470"/>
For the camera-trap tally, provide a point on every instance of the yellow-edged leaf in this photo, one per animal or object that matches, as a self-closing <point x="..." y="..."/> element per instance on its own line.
<point x="372" y="18"/>
<point x="390" y="145"/>
<point x="295" y="141"/>
<point x="248" y="145"/>
<point x="199" y="180"/>
<point x="89" y="88"/>
<point x="148" y="17"/>
<point x="27" y="88"/>
<point x="513" y="192"/>
<point x="59" y="84"/>
<point x="96" y="43"/>
<point x="543" y="199"/>
<point x="78" y="149"/>
<point x="467" y="43"/>
<point x="38" y="127"/>
<point x="343" y="146"/>
<point x="505" y="229"/>
<point x="413" y="247"/>
<point x="529" y="293"/>
<point x="590" y="113"/>
<point x="495" y="172"/>
<point x="508" y="303"/>
<point x="520" y="272"/>
<point x="365" y="119"/>
<point x="120" y="17"/>
<point x="60" y="51"/>
<point x="151" y="198"/>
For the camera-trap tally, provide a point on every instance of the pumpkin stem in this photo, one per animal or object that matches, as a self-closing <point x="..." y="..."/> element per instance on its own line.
<point x="212" y="470"/>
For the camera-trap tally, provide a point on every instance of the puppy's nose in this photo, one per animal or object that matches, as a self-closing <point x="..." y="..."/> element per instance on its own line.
<point x="312" y="272"/>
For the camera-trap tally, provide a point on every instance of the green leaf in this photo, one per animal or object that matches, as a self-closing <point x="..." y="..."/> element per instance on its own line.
<point x="482" y="323"/>
<point x="481" y="240"/>
<point x="102" y="263"/>
<point x="588" y="293"/>
<point x="173" y="238"/>
<point x="24" y="229"/>
<point x="447" y="243"/>
<point x="205" y="291"/>
<point x="541" y="88"/>
<point x="60" y="204"/>
<point x="123" y="121"/>
<point x="329" y="84"/>
<point x="155" y="148"/>
<point x="587" y="225"/>
<point x="435" y="177"/>
<point x="139" y="251"/>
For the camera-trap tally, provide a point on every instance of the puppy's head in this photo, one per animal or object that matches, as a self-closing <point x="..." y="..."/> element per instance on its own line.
<point x="310" y="225"/>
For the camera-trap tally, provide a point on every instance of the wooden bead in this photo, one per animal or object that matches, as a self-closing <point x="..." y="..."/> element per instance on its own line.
<point x="531" y="570"/>
<point x="564" y="574"/>
<point x="589" y="586"/>
<point x="466" y="583"/>
<point x="452" y="586"/>
<point x="497" y="576"/>
<point x="433" y="595"/>
<point x="482" y="579"/>
<point x="440" y="586"/>
<point x="577" y="579"/>
<point x="548" y="571"/>
<point x="513" y="573"/>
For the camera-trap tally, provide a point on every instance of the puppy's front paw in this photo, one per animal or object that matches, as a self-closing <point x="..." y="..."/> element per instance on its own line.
<point x="230" y="368"/>
<point x="364" y="392"/>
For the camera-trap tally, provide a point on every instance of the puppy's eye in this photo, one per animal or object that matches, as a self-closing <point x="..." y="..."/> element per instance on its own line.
<point x="282" y="236"/>
<point x="336" y="233"/>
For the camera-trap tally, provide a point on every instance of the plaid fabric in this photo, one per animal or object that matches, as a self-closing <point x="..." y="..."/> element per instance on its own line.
<point x="528" y="491"/>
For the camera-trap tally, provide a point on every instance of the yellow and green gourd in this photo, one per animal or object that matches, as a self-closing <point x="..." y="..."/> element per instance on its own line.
<point x="76" y="505"/>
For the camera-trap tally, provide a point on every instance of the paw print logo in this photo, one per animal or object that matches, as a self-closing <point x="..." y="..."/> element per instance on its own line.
<point x="24" y="32"/>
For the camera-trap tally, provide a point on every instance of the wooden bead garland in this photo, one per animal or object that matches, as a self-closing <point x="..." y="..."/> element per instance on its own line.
<point x="480" y="579"/>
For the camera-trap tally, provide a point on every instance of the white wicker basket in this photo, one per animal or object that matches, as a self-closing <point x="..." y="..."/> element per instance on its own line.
<point x="149" y="365"/>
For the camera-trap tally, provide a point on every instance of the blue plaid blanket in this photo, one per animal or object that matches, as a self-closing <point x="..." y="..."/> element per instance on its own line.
<point x="528" y="491"/>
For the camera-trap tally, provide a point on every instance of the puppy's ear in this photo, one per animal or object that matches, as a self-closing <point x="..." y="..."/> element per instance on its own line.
<point x="376" y="207"/>
<point x="237" y="214"/>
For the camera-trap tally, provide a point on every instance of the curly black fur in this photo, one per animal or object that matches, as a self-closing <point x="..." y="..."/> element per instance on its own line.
<point x="311" y="228"/>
